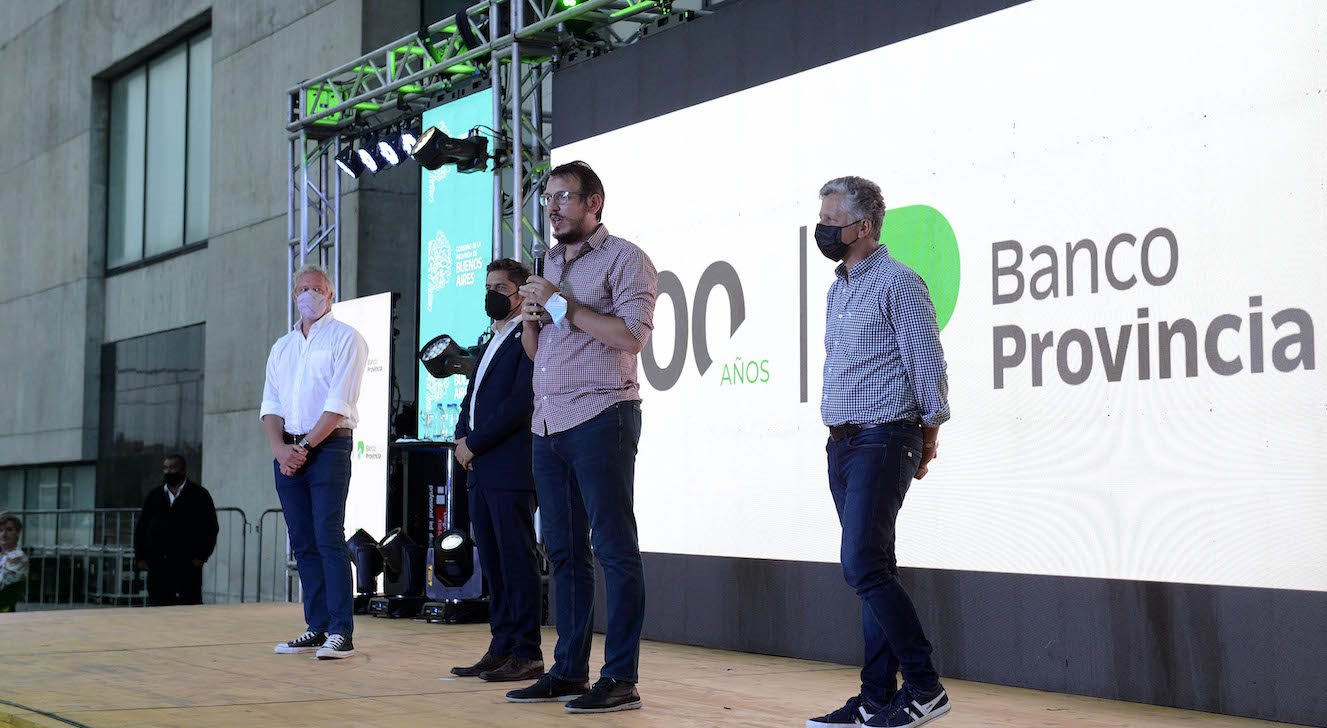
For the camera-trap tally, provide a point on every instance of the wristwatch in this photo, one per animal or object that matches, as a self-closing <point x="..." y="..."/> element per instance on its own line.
<point x="304" y="444"/>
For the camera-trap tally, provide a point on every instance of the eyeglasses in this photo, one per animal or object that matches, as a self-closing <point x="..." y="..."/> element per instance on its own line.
<point x="561" y="198"/>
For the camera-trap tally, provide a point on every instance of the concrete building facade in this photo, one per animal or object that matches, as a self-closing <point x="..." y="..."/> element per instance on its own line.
<point x="60" y="304"/>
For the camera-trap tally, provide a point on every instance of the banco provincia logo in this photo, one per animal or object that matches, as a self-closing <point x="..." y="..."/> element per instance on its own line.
<point x="920" y="237"/>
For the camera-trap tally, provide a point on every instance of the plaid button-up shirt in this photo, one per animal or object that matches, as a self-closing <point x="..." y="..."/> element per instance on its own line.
<point x="576" y="376"/>
<point x="883" y="359"/>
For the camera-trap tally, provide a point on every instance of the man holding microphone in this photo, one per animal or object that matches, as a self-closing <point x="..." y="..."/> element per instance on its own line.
<point x="584" y="333"/>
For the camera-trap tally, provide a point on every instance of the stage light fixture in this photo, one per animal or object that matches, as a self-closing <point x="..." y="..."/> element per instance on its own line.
<point x="349" y="161"/>
<point x="403" y="562"/>
<point x="453" y="558"/>
<point x="389" y="148"/>
<point x="369" y="155"/>
<point x="407" y="138"/>
<point x="443" y="357"/>
<point x="435" y="149"/>
<point x="367" y="559"/>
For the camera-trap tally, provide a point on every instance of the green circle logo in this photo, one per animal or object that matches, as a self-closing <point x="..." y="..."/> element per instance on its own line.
<point x="921" y="238"/>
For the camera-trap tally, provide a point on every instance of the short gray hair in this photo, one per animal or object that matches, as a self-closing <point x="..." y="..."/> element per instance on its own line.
<point x="861" y="199"/>
<point x="314" y="268"/>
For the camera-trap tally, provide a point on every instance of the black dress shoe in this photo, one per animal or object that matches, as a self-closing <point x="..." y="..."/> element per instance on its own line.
<point x="515" y="668"/>
<point x="607" y="696"/>
<point x="489" y="661"/>
<point x="548" y="689"/>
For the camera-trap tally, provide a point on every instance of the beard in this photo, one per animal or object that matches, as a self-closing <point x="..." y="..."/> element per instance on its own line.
<point x="577" y="231"/>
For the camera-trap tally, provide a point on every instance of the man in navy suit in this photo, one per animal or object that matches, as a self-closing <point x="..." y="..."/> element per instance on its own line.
<point x="493" y="443"/>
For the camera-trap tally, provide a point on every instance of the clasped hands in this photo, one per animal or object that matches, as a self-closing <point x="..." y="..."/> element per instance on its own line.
<point x="290" y="458"/>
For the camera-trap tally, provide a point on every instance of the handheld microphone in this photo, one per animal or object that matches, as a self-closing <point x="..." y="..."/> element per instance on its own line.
<point x="539" y="251"/>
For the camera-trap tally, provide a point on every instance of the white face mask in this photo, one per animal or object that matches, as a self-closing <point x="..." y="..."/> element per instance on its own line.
<point x="312" y="305"/>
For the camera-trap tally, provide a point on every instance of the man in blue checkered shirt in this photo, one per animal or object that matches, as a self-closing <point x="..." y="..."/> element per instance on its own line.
<point x="885" y="397"/>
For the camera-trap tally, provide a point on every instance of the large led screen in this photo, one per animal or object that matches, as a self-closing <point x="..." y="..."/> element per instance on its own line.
<point x="456" y="246"/>
<point x="1118" y="208"/>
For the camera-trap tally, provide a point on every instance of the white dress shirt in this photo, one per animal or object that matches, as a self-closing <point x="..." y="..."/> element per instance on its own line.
<point x="173" y="496"/>
<point x="499" y="336"/>
<point x="307" y="376"/>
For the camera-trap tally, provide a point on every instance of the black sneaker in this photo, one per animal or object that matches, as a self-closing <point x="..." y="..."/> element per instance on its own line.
<point x="337" y="647"/>
<point x="548" y="689"/>
<point x="854" y="712"/>
<point x="909" y="709"/>
<point x="607" y="696"/>
<point x="307" y="642"/>
<point x="516" y="668"/>
<point x="489" y="661"/>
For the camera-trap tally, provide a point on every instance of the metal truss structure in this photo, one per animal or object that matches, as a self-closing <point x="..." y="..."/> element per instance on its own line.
<point x="510" y="46"/>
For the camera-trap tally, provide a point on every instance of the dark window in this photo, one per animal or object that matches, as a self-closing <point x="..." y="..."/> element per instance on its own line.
<point x="152" y="406"/>
<point x="160" y="154"/>
<point x="50" y="487"/>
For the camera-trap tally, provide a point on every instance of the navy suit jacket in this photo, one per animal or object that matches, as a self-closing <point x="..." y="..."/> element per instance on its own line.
<point x="501" y="437"/>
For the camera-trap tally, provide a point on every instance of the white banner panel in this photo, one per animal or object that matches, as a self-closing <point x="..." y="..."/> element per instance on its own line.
<point x="1161" y="416"/>
<point x="366" y="505"/>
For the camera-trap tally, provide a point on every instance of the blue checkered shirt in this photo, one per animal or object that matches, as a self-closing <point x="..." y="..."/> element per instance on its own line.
<point x="883" y="360"/>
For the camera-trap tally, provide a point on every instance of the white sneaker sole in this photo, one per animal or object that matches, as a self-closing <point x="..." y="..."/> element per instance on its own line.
<point x="284" y="650"/>
<point x="334" y="654"/>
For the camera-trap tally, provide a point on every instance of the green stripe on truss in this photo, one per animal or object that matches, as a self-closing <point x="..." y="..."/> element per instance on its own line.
<point x="629" y="9"/>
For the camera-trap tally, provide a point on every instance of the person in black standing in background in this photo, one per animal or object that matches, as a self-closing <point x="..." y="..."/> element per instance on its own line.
<point x="175" y="536"/>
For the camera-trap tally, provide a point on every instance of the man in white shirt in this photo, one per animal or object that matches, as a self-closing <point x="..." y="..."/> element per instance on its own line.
<point x="313" y="379"/>
<point x="493" y="444"/>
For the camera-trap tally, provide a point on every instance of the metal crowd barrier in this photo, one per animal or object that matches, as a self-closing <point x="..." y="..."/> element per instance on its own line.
<point x="85" y="558"/>
<point x="220" y="570"/>
<point x="284" y="580"/>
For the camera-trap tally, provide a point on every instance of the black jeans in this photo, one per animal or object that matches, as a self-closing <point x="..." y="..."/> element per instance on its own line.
<point x="869" y="474"/>
<point x="586" y="479"/>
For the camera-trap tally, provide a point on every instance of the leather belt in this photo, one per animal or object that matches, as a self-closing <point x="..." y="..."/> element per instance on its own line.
<point x="846" y="430"/>
<point x="290" y="439"/>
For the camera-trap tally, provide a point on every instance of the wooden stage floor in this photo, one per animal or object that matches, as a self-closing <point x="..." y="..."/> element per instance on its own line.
<point x="214" y="666"/>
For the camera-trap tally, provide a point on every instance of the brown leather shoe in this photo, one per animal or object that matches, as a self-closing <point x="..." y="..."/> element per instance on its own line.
<point x="489" y="661"/>
<point x="516" y="668"/>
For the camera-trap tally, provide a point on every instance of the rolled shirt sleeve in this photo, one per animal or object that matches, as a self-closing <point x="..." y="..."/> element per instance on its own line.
<point x="350" y="360"/>
<point x="634" y="284"/>
<point x="913" y="319"/>
<point x="271" y="397"/>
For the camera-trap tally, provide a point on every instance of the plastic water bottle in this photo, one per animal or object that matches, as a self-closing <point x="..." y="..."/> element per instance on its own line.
<point x="453" y="417"/>
<point x="439" y="424"/>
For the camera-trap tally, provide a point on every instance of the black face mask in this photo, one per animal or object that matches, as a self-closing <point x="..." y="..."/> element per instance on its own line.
<point x="497" y="305"/>
<point x="829" y="238"/>
<point x="174" y="479"/>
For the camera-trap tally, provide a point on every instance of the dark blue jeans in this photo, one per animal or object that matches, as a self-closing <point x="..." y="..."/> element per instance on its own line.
<point x="502" y="522"/>
<point x="869" y="474"/>
<point x="314" y="503"/>
<point x="585" y="478"/>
